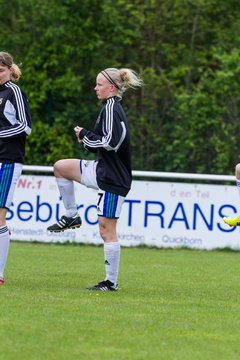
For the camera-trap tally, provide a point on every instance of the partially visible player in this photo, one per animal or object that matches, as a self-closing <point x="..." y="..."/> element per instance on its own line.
<point x="15" y="125"/>
<point x="111" y="174"/>
<point x="234" y="221"/>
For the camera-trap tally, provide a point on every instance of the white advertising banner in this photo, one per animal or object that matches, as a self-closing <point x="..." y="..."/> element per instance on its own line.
<point x="160" y="214"/>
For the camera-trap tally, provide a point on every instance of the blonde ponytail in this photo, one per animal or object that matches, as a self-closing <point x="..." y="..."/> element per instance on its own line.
<point x="123" y="79"/>
<point x="15" y="73"/>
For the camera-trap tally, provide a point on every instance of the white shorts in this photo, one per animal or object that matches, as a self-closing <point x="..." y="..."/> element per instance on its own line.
<point x="9" y="175"/>
<point x="108" y="205"/>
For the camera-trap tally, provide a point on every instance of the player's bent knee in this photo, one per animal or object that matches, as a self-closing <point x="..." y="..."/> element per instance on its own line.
<point x="57" y="167"/>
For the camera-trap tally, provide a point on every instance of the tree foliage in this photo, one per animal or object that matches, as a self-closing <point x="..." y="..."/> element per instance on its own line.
<point x="186" y="116"/>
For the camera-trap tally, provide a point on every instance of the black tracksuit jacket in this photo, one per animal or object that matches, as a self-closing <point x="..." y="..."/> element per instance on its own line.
<point x="15" y="123"/>
<point x="111" y="141"/>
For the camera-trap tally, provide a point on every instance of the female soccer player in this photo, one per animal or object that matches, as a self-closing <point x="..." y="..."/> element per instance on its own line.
<point x="110" y="174"/>
<point x="15" y="125"/>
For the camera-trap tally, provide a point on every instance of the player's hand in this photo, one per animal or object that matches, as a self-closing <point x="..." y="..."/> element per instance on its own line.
<point x="77" y="130"/>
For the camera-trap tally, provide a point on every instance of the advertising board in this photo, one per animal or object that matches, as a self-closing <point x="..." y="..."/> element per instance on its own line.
<point x="155" y="213"/>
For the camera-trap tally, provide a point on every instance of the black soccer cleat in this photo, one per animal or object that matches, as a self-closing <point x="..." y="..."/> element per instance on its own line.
<point x="66" y="223"/>
<point x="105" y="285"/>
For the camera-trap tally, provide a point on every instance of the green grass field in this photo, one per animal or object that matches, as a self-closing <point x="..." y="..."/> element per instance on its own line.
<point x="172" y="304"/>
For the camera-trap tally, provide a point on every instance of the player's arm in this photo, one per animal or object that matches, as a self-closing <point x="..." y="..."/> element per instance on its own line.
<point x="114" y="132"/>
<point x="77" y="130"/>
<point x="17" y="113"/>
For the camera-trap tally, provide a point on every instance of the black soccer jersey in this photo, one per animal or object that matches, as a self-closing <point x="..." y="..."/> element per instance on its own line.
<point x="15" y="123"/>
<point x="111" y="141"/>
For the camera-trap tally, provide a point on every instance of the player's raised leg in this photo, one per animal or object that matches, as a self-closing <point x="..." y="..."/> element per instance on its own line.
<point x="66" y="172"/>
